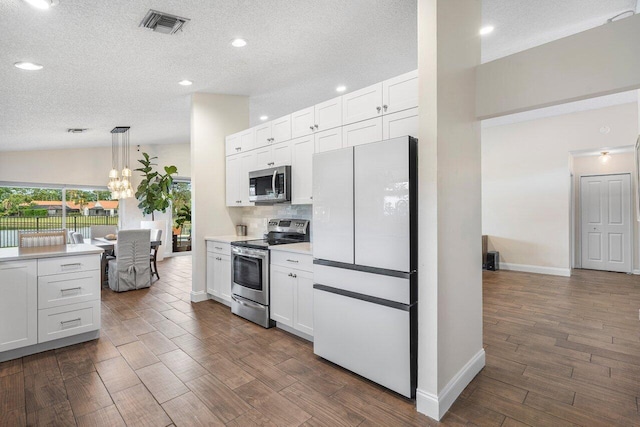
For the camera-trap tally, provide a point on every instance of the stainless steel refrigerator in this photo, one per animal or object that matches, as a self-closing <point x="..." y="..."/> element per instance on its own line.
<point x="365" y="260"/>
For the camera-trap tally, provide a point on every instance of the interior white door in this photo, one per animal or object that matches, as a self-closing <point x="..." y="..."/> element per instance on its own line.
<point x="606" y="222"/>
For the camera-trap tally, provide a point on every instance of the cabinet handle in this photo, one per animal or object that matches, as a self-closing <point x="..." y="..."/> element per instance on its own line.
<point x="71" y="289"/>
<point x="64" y="322"/>
<point x="218" y="247"/>
<point x="74" y="265"/>
<point x="294" y="275"/>
<point x="378" y="108"/>
<point x="238" y="148"/>
<point x="310" y="197"/>
<point x="385" y="107"/>
<point x="293" y="260"/>
<point x="311" y="127"/>
<point x="270" y="164"/>
<point x="315" y="126"/>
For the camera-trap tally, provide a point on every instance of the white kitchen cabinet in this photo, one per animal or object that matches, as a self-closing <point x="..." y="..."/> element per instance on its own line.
<point x="400" y="93"/>
<point x="362" y="132"/>
<point x="302" y="122"/>
<point x="219" y="275"/>
<point x="328" y="140"/>
<point x="19" y="304"/>
<point x="400" y="124"/>
<point x="262" y="135"/>
<point x="328" y="114"/>
<point x="232" y="144"/>
<point x="67" y="320"/>
<point x="273" y="156"/>
<point x="292" y="292"/>
<point x="362" y="104"/>
<point x="301" y="170"/>
<point x="264" y="157"/>
<point x="281" y="129"/>
<point x="238" y="167"/>
<point x="333" y="205"/>
<point x="240" y="142"/>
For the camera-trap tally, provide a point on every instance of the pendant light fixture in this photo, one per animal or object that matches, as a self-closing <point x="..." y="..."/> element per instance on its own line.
<point x="120" y="182"/>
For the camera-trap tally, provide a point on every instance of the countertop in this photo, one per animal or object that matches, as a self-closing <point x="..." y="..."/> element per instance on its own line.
<point x="231" y="238"/>
<point x="16" y="254"/>
<point x="298" y="248"/>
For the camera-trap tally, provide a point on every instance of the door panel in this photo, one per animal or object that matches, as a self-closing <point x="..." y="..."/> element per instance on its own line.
<point x="328" y="114"/>
<point x="362" y="104"/>
<point x="302" y="122"/>
<point x="606" y="222"/>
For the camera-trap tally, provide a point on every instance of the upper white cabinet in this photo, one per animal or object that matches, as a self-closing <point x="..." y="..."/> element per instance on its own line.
<point x="273" y="156"/>
<point x="232" y="144"/>
<point x="362" y="104"/>
<point x="273" y="132"/>
<point x="237" y="185"/>
<point x="240" y="142"/>
<point x="328" y="140"/>
<point x="400" y="93"/>
<point x="400" y="124"/>
<point x="301" y="170"/>
<point x="328" y="114"/>
<point x="19" y="304"/>
<point x="362" y="132"/>
<point x="262" y="134"/>
<point x="302" y="122"/>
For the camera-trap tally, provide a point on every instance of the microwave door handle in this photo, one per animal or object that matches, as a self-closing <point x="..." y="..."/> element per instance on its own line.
<point x="273" y="182"/>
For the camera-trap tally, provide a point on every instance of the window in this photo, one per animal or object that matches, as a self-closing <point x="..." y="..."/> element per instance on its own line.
<point x="181" y="214"/>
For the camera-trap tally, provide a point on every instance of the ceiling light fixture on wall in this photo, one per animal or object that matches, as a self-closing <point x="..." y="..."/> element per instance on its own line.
<point x="238" y="43"/>
<point x="604" y="157"/>
<point x="487" y="30"/>
<point x="341" y="89"/>
<point x="120" y="183"/>
<point x="263" y="118"/>
<point x="42" y="4"/>
<point x="185" y="82"/>
<point x="28" y="66"/>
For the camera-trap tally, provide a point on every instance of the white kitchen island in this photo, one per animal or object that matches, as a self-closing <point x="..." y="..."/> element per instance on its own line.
<point x="49" y="298"/>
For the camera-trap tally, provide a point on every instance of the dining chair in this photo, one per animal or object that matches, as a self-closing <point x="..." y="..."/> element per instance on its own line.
<point x="131" y="268"/>
<point x="41" y="239"/>
<point x="77" y="238"/>
<point x="102" y="230"/>
<point x="156" y="235"/>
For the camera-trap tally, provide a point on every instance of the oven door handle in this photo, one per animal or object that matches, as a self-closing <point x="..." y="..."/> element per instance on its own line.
<point x="246" y="303"/>
<point x="273" y="182"/>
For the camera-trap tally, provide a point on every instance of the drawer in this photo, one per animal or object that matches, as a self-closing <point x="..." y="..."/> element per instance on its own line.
<point x="292" y="260"/>
<point x="219" y="248"/>
<point x="68" y="320"/>
<point x="68" y="264"/>
<point x="68" y="288"/>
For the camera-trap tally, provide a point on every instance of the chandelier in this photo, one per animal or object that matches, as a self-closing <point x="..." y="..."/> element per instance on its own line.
<point x="120" y="182"/>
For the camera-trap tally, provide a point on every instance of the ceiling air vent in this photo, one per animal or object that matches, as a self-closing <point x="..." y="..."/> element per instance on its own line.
<point x="163" y="22"/>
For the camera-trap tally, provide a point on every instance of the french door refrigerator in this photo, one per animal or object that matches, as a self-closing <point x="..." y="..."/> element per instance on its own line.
<point x="365" y="256"/>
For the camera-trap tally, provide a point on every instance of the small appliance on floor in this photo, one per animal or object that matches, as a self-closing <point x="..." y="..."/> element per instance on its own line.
<point x="250" y="268"/>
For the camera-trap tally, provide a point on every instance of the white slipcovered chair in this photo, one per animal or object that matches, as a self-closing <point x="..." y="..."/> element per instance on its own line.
<point x="131" y="268"/>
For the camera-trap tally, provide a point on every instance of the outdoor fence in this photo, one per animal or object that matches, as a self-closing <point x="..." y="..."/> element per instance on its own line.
<point x="11" y="226"/>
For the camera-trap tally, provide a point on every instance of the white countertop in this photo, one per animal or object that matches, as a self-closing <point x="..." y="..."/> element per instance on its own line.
<point x="16" y="254"/>
<point x="298" y="248"/>
<point x="231" y="238"/>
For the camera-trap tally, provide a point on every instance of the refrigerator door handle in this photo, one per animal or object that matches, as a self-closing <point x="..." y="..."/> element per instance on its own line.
<point x="363" y="297"/>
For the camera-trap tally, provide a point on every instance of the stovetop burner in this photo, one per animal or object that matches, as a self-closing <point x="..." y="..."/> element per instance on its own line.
<point x="280" y="232"/>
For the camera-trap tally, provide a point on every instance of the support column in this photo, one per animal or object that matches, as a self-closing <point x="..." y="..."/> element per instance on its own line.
<point x="450" y="349"/>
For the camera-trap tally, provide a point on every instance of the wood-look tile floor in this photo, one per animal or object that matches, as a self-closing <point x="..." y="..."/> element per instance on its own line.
<point x="560" y="351"/>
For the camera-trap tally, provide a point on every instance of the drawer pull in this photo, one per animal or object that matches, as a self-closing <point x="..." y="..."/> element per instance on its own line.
<point x="293" y="260"/>
<point x="74" y="265"/>
<point x="64" y="322"/>
<point x="218" y="247"/>
<point x="71" y="289"/>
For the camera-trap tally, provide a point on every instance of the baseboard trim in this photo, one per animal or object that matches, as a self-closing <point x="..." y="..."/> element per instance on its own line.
<point x="199" y="296"/>
<point x="538" y="269"/>
<point x="636" y="271"/>
<point x="436" y="406"/>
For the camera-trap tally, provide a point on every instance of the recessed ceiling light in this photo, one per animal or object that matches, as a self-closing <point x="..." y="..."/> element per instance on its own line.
<point x="29" y="66"/>
<point x="239" y="43"/>
<point x="341" y="88"/>
<point x="185" y="82"/>
<point x="263" y="118"/>
<point x="42" y="4"/>
<point x="486" y="30"/>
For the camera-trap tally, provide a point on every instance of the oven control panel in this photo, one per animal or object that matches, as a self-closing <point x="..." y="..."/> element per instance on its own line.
<point x="300" y="226"/>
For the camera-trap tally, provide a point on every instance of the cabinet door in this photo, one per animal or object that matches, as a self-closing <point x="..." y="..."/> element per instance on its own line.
<point x="301" y="170"/>
<point x="262" y="135"/>
<point x="247" y="164"/>
<point x="362" y="104"/>
<point x="282" y="288"/>
<point x="211" y="273"/>
<point x="232" y="180"/>
<point x="328" y="140"/>
<point x="302" y="122"/>
<point x="400" y="93"/>
<point x="382" y="205"/>
<point x="282" y="154"/>
<point x="362" y="132"/>
<point x="224" y="267"/>
<point x="303" y="307"/>
<point x="281" y="129"/>
<point x="333" y="205"/>
<point x="19" y="304"/>
<point x="264" y="157"/>
<point x="328" y="114"/>
<point x="247" y="140"/>
<point x="400" y="124"/>
<point x="232" y="144"/>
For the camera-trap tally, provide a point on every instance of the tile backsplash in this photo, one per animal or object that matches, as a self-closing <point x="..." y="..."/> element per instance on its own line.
<point x="255" y="217"/>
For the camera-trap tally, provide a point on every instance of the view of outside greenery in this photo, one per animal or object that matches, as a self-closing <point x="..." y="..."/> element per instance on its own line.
<point x="181" y="214"/>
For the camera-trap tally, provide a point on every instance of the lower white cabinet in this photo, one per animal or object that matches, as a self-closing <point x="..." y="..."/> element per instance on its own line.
<point x="68" y="320"/>
<point x="19" y="304"/>
<point x="219" y="275"/>
<point x="291" y="301"/>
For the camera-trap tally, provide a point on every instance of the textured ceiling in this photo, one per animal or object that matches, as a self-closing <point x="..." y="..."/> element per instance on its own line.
<point x="102" y="71"/>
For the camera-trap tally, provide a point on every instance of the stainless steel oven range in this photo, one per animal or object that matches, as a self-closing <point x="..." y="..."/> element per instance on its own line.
<point x="250" y="268"/>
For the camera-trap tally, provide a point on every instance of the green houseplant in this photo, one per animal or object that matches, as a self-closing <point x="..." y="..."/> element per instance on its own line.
<point x="154" y="191"/>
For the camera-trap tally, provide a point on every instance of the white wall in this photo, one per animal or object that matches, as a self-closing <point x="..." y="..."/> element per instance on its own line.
<point x="591" y="165"/>
<point x="597" y="62"/>
<point x="212" y="117"/>
<point x="526" y="182"/>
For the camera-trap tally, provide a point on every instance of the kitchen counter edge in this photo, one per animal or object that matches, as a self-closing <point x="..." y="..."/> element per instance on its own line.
<point x="16" y="254"/>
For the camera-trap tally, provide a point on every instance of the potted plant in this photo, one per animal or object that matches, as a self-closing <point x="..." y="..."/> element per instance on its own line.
<point x="183" y="215"/>
<point x="154" y="194"/>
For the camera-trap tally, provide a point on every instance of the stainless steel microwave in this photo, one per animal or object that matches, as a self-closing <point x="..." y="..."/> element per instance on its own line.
<point x="271" y="185"/>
